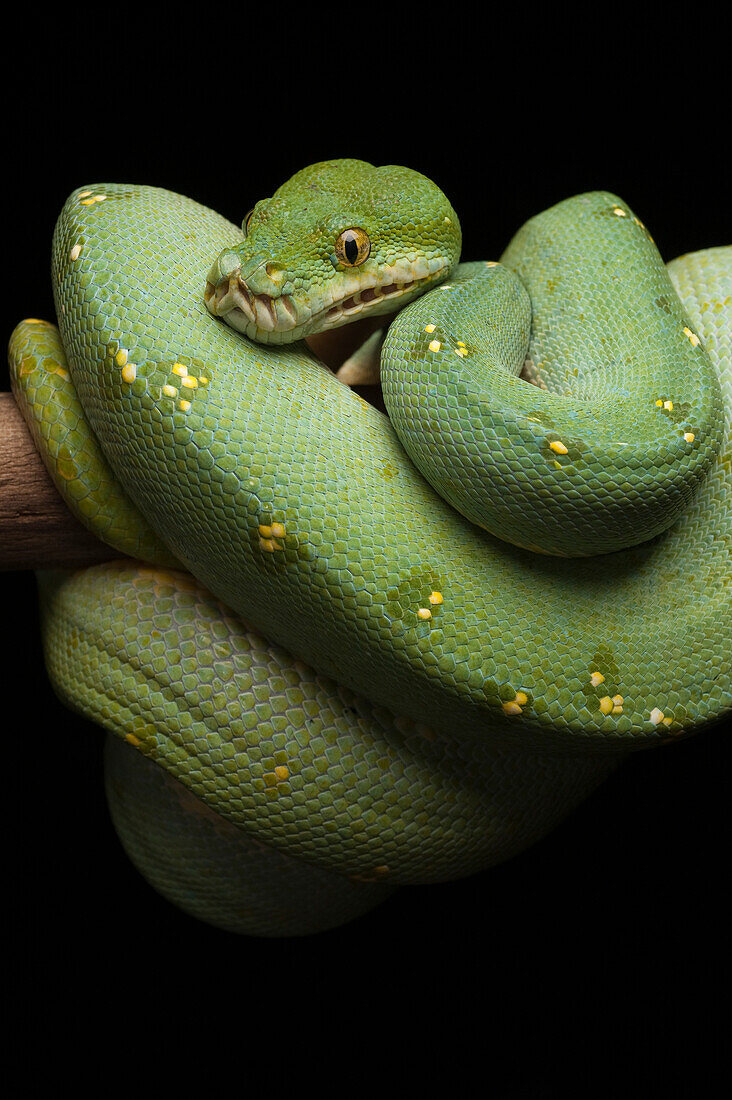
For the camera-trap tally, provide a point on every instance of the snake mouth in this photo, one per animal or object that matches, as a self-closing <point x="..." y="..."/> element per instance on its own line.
<point x="283" y="318"/>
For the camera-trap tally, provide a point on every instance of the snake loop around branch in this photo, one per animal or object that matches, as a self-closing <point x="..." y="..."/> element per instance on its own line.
<point x="430" y="698"/>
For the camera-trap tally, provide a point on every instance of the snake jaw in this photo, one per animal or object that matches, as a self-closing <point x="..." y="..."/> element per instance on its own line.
<point x="255" y="315"/>
<point x="282" y="318"/>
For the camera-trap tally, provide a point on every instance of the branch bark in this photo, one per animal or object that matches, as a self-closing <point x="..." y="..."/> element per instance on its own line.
<point x="37" y="530"/>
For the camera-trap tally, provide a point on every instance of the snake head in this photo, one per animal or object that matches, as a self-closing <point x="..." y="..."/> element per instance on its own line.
<point x="341" y="240"/>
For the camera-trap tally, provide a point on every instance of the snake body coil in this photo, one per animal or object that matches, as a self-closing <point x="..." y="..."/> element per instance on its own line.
<point x="517" y="678"/>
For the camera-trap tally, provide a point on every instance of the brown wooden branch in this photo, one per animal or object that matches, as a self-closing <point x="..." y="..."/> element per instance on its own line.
<point x="37" y="530"/>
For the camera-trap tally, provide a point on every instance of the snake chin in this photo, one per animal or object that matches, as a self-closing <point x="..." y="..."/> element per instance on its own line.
<point x="266" y="318"/>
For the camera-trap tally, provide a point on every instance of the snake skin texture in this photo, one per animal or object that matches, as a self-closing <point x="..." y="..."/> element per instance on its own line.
<point x="211" y="869"/>
<point x="429" y="700"/>
<point x="628" y="420"/>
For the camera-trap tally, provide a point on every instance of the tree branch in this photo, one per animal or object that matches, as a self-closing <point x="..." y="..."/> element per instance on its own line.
<point x="37" y="530"/>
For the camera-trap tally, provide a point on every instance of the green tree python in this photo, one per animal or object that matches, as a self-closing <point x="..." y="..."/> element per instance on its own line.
<point x="370" y="650"/>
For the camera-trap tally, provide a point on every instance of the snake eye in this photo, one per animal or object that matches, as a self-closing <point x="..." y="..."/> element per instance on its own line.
<point x="353" y="247"/>
<point x="245" y="223"/>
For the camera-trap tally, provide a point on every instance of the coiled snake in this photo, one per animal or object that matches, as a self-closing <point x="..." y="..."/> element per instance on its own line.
<point x="366" y="658"/>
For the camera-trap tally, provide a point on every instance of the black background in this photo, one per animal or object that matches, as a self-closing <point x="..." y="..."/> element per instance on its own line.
<point x="597" y="956"/>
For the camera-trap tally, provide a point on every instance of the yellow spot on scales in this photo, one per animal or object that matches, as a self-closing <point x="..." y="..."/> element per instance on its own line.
<point x="691" y="336"/>
<point x="184" y="406"/>
<point x="515" y="705"/>
<point x="121" y="357"/>
<point x="272" y="530"/>
<point x="430" y="328"/>
<point x="180" y="370"/>
<point x="619" y="212"/>
<point x="435" y="597"/>
<point x="558" y="447"/>
<point x="279" y="774"/>
<point x="596" y="678"/>
<point x="132" y="739"/>
<point x="435" y="345"/>
<point x="129" y="372"/>
<point x="424" y="613"/>
<point x="75" y="252"/>
<point x="170" y="391"/>
<point x="189" y="382"/>
<point x="669" y="405"/>
<point x="269" y="545"/>
<point x="689" y="437"/>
